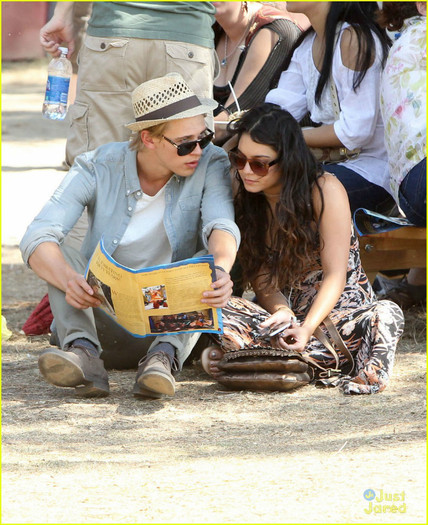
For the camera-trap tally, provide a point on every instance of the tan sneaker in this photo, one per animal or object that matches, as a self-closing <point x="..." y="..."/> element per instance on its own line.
<point x="154" y="375"/>
<point x="76" y="367"/>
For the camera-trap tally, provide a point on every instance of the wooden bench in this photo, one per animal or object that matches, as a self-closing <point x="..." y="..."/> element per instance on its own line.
<point x="395" y="250"/>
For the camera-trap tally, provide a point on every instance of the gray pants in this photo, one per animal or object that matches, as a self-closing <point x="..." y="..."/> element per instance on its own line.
<point x="118" y="348"/>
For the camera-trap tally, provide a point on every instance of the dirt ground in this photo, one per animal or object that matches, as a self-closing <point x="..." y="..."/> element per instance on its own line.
<point x="207" y="455"/>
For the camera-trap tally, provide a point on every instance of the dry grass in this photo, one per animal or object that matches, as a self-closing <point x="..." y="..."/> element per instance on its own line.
<point x="206" y="455"/>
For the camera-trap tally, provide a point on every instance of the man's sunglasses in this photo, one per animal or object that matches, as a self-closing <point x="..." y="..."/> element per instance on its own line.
<point x="185" y="148"/>
<point x="238" y="161"/>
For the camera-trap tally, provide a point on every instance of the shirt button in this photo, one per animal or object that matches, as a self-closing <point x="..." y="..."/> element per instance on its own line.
<point x="138" y="193"/>
<point x="129" y="208"/>
<point x="115" y="241"/>
<point x="128" y="192"/>
<point x="102" y="45"/>
<point x="190" y="54"/>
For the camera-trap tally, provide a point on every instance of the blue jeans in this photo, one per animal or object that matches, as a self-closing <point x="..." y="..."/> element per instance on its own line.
<point x="412" y="194"/>
<point x="361" y="192"/>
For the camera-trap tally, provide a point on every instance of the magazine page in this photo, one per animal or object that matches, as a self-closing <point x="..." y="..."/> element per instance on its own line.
<point x="368" y="222"/>
<point x="158" y="300"/>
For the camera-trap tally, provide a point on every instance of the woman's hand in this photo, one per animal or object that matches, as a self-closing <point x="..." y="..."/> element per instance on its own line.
<point x="221" y="291"/>
<point x="281" y="316"/>
<point x="294" y="338"/>
<point x="79" y="294"/>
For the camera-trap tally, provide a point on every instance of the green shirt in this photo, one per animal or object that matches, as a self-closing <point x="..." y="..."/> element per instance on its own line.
<point x="188" y="22"/>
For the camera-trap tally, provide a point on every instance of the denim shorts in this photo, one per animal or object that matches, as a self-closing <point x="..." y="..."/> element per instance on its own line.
<point x="412" y="194"/>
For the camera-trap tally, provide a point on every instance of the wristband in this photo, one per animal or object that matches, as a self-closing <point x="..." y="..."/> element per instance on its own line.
<point x="219" y="268"/>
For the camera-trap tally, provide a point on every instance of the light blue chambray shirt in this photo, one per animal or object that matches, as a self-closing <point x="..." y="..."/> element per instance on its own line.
<point x="106" y="182"/>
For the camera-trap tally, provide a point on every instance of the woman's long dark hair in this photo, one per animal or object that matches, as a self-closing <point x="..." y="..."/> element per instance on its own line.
<point x="295" y="240"/>
<point x="361" y="17"/>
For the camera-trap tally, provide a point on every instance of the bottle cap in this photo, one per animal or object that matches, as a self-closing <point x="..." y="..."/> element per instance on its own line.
<point x="63" y="50"/>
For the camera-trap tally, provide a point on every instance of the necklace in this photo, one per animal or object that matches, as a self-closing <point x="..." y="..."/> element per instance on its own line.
<point x="223" y="63"/>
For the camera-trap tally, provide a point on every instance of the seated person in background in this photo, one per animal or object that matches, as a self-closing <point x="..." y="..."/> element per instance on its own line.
<point x="345" y="42"/>
<point x="300" y="255"/>
<point x="403" y="106"/>
<point x="251" y="42"/>
<point x="153" y="200"/>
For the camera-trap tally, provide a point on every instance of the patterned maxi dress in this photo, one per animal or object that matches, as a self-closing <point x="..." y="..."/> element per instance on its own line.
<point x="369" y="328"/>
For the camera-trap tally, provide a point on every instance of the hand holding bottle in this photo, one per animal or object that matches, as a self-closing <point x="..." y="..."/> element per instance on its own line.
<point x="59" y="29"/>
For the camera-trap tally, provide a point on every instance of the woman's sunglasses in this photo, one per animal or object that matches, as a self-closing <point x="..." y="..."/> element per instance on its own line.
<point x="185" y="148"/>
<point x="259" y="168"/>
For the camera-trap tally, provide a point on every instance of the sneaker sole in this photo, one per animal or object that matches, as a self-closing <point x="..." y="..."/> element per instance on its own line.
<point x="141" y="392"/>
<point x="59" y="371"/>
<point x="156" y="382"/>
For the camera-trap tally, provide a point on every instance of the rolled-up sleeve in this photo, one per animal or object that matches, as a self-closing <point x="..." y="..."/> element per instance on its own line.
<point x="63" y="209"/>
<point x="224" y="225"/>
<point x="217" y="201"/>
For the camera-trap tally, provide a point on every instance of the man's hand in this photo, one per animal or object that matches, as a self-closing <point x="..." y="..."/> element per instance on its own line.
<point x="221" y="291"/>
<point x="79" y="294"/>
<point x="48" y="262"/>
<point x="59" y="29"/>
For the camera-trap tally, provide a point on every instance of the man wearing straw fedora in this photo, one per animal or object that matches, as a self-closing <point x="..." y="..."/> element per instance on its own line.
<point x="154" y="200"/>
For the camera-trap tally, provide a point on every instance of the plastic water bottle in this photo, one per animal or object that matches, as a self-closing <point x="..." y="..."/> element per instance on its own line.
<point x="59" y="74"/>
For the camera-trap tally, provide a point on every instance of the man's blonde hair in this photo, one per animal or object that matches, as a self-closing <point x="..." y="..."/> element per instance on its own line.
<point x="157" y="131"/>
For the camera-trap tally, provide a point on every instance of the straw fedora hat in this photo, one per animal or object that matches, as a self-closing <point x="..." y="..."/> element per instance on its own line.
<point x="166" y="98"/>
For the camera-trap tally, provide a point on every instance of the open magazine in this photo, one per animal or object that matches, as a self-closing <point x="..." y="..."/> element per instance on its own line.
<point x="162" y="299"/>
<point x="368" y="222"/>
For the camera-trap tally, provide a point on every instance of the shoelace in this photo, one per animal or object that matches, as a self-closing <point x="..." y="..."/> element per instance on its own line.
<point x="162" y="357"/>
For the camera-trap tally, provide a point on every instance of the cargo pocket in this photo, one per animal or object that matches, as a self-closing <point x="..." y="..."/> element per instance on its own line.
<point x="78" y="135"/>
<point x="102" y="64"/>
<point x="194" y="63"/>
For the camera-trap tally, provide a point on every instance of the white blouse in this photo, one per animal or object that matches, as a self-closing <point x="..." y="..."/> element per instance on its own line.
<point x="360" y="123"/>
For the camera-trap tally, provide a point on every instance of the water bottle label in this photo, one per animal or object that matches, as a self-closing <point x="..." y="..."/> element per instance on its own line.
<point x="57" y="90"/>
